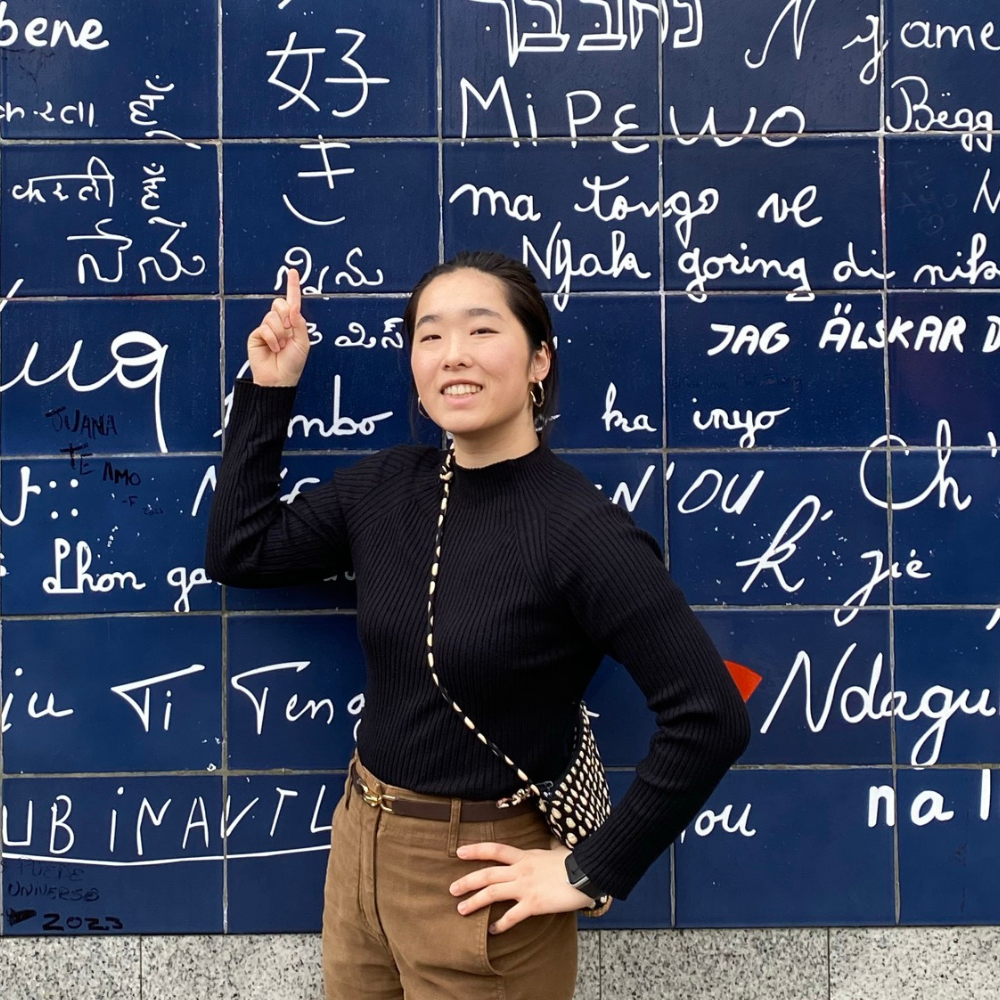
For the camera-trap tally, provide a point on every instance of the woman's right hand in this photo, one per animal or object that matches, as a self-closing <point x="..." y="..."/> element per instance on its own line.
<point x="278" y="348"/>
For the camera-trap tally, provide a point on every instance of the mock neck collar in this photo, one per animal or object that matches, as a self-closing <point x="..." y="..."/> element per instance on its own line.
<point x="491" y="480"/>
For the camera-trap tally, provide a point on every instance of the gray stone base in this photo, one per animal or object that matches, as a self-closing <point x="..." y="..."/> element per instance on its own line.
<point x="944" y="963"/>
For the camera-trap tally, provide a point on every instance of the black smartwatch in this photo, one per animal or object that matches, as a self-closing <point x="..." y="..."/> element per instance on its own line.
<point x="579" y="880"/>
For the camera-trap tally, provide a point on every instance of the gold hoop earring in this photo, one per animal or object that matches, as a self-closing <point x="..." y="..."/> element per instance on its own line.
<point x="538" y="403"/>
<point x="421" y="410"/>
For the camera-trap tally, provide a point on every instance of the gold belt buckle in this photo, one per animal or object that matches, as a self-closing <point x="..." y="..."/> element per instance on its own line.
<point x="376" y="798"/>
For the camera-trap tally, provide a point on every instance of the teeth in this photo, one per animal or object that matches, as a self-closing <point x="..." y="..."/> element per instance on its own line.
<point x="464" y="389"/>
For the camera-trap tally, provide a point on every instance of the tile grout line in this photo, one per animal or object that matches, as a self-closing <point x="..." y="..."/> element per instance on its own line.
<point x="223" y="601"/>
<point x="829" y="969"/>
<point x="2" y="880"/>
<point x="890" y="520"/>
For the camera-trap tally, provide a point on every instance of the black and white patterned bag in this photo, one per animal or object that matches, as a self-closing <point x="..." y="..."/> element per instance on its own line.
<point x="578" y="802"/>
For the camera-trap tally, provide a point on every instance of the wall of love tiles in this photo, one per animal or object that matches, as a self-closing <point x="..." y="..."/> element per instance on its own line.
<point x="769" y="237"/>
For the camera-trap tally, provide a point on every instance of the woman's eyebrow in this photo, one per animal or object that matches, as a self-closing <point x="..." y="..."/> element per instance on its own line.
<point x="468" y="313"/>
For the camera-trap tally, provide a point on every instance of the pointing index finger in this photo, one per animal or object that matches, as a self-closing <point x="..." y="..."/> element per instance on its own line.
<point x="293" y="292"/>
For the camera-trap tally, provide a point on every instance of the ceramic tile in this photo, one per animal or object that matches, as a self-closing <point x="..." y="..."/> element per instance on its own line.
<point x="946" y="687"/>
<point x="362" y="73"/>
<point x="85" y="545"/>
<point x="147" y="386"/>
<point x="750" y="528"/>
<point x="45" y="92"/>
<point x="739" y="236"/>
<point x="560" y="65"/>
<point x="276" y="857"/>
<point x="945" y="529"/>
<point x="944" y="359"/>
<point x="540" y="204"/>
<point x="788" y="848"/>
<point x="609" y="397"/>
<point x="138" y="854"/>
<point x="163" y="713"/>
<point x="326" y="198"/>
<point x="756" y="372"/>
<point x="939" y="64"/>
<point x="820" y="685"/>
<point x="948" y="853"/>
<point x="296" y="691"/>
<point x="94" y="205"/>
<point x="941" y="224"/>
<point x="359" y="397"/>
<point x="744" y="75"/>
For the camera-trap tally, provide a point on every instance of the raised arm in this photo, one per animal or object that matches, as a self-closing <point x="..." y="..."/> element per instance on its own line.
<point x="253" y="539"/>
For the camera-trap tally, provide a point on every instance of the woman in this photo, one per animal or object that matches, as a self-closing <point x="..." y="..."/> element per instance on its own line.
<point x="432" y="890"/>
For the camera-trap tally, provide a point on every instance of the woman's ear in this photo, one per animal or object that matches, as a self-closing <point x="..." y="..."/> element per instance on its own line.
<point x="540" y="363"/>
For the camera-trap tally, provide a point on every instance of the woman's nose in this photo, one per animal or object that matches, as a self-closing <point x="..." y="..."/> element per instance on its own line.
<point x="455" y="353"/>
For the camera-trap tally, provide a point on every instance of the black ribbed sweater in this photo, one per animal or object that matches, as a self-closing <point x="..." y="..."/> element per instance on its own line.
<point x="540" y="576"/>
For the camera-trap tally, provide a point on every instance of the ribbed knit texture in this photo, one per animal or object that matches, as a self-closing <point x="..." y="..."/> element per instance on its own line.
<point x="541" y="576"/>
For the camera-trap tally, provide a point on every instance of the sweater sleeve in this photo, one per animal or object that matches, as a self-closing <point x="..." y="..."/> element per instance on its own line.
<point x="612" y="575"/>
<point x="254" y="539"/>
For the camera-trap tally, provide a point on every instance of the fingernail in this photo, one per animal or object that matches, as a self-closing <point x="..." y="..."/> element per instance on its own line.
<point x="461" y="852"/>
<point x="493" y="928"/>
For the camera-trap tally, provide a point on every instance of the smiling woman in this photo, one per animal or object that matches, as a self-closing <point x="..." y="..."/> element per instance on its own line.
<point x="475" y="365"/>
<point x="482" y="317"/>
<point x="513" y="606"/>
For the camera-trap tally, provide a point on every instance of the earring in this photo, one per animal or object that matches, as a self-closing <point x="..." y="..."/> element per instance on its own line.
<point x="421" y="410"/>
<point x="540" y="402"/>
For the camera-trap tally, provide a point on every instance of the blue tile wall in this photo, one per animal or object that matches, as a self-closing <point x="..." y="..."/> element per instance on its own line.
<point x="85" y="379"/>
<point x="295" y="691"/>
<point x="769" y="84"/>
<point x="944" y="360"/>
<point x="160" y="712"/>
<point x="377" y="188"/>
<point x="176" y="77"/>
<point x="147" y="852"/>
<point x="768" y="238"/>
<point x="96" y="219"/>
<point x="772" y="529"/>
<point x="805" y="831"/>
<point x="753" y="371"/>
<point x="751" y="214"/>
<point x="947" y="845"/>
<point x="546" y="204"/>
<point x="517" y="68"/>
<point x="277" y="855"/>
<point x="366" y="73"/>
<point x="946" y="667"/>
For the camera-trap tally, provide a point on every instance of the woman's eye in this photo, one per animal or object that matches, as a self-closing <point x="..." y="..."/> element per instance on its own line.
<point x="484" y="329"/>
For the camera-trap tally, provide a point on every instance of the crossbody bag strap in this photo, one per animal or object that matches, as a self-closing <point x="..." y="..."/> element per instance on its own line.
<point x="447" y="474"/>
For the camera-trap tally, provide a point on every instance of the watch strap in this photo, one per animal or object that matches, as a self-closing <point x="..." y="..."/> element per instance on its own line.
<point x="579" y="880"/>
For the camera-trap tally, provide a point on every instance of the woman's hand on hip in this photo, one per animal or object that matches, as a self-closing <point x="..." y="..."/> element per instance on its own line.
<point x="535" y="878"/>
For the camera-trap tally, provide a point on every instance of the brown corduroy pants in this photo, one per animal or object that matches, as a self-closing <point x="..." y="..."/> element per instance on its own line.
<point x="391" y="930"/>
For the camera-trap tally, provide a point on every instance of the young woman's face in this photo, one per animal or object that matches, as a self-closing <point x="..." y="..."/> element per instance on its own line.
<point x="472" y="361"/>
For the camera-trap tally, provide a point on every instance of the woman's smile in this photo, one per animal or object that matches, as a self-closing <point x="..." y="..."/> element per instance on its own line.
<point x="461" y="390"/>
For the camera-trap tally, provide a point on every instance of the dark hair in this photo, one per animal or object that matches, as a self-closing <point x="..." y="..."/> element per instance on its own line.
<point x="524" y="299"/>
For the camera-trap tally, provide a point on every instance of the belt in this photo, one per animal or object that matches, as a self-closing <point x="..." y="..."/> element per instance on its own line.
<point x="472" y="812"/>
